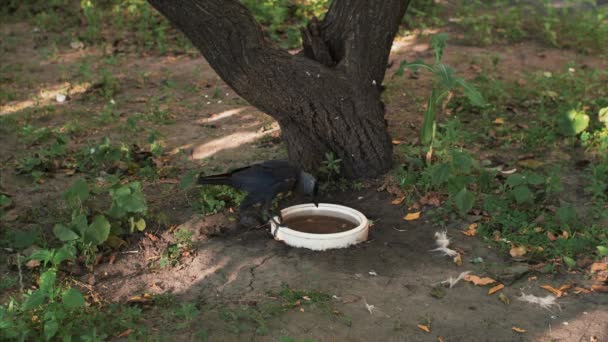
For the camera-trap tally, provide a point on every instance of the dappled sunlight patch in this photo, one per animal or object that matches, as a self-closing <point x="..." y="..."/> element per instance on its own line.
<point x="227" y="142"/>
<point x="223" y="115"/>
<point x="46" y="96"/>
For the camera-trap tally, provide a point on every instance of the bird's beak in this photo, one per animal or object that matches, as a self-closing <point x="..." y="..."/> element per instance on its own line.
<point x="315" y="195"/>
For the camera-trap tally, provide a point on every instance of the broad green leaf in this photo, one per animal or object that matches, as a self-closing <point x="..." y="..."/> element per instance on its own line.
<point x="50" y="329"/>
<point x="602" y="251"/>
<point x="428" y="125"/>
<point x="515" y="180"/>
<point x="471" y="93"/>
<point x="79" y="222"/>
<point x="573" y="122"/>
<point x="603" y="116"/>
<point x="140" y="224"/>
<point x="569" y="261"/>
<point x="522" y="194"/>
<point x="43" y="255"/>
<point x="98" y="231"/>
<point x="464" y="201"/>
<point x="64" y="233"/>
<point x="461" y="161"/>
<point x="72" y="298"/>
<point x="188" y="180"/>
<point x="34" y="300"/>
<point x="534" y="178"/>
<point x="127" y="199"/>
<point x="77" y="193"/>
<point x="440" y="173"/>
<point x="47" y="281"/>
<point x="66" y="252"/>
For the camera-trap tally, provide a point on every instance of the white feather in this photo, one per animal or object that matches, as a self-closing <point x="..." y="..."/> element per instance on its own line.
<point x="453" y="281"/>
<point x="545" y="302"/>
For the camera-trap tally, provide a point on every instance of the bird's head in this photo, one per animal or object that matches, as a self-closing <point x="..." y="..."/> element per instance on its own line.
<point x="308" y="186"/>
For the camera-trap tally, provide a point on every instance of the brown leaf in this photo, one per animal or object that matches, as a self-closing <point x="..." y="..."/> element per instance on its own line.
<point x="439" y="339"/>
<point x="412" y="216"/>
<point x="397" y="142"/>
<point x="472" y="230"/>
<point x="519" y="330"/>
<point x="551" y="236"/>
<point x="557" y="292"/>
<point x="503" y="298"/>
<point x="530" y="163"/>
<point x="496" y="289"/>
<point x="565" y="235"/>
<point x="598" y="266"/>
<point x="499" y="121"/>
<point x="32" y="263"/>
<point x="424" y="328"/>
<point x="431" y="198"/>
<point x="398" y="200"/>
<point x="517" y="251"/>
<point x="125" y="333"/>
<point x="600" y="288"/>
<point x="478" y="281"/>
<point x="579" y="290"/>
<point x="152" y="237"/>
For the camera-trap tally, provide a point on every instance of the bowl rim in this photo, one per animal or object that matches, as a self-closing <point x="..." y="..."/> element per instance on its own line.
<point x="357" y="215"/>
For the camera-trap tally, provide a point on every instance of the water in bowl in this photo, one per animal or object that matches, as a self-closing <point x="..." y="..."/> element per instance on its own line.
<point x="317" y="224"/>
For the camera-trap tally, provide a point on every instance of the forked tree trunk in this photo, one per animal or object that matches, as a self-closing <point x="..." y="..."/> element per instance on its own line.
<point x="326" y="98"/>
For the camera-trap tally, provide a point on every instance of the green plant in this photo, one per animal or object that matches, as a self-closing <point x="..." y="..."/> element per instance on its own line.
<point x="127" y="209"/>
<point x="330" y="166"/>
<point x="445" y="84"/>
<point x="214" y="198"/>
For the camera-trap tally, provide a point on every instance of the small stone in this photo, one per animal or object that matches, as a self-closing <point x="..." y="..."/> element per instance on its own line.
<point x="61" y="98"/>
<point x="32" y="263"/>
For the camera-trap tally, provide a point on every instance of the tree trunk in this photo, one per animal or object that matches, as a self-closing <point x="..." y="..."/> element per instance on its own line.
<point x="326" y="98"/>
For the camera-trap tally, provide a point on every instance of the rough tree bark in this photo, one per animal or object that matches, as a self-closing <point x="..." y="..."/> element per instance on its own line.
<point x="326" y="98"/>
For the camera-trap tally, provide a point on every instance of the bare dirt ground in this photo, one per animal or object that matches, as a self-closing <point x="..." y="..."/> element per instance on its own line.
<point x="394" y="271"/>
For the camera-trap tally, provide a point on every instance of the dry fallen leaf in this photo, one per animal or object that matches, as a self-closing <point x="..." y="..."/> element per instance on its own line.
<point x="496" y="289"/>
<point x="600" y="288"/>
<point x="517" y="251"/>
<point x="598" y="266"/>
<point x="579" y="290"/>
<point x="431" y="198"/>
<point x="551" y="236"/>
<point x="458" y="260"/>
<point x="519" y="330"/>
<point x="397" y="142"/>
<point x="439" y="339"/>
<point x="532" y="278"/>
<point x="503" y="298"/>
<point x="398" y="200"/>
<point x="125" y="333"/>
<point x="530" y="163"/>
<point x="557" y="292"/>
<point x="478" y="281"/>
<point x="424" y="328"/>
<point x="499" y="121"/>
<point x="565" y="235"/>
<point x="412" y="216"/>
<point x="472" y="230"/>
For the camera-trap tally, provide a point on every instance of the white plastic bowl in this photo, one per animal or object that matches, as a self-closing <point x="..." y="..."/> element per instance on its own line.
<point x="321" y="242"/>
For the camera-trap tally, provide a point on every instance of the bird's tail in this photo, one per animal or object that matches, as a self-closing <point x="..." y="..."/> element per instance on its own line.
<point x="223" y="179"/>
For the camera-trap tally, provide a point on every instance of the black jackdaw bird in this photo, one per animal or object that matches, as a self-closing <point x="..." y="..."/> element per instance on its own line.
<point x="264" y="181"/>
